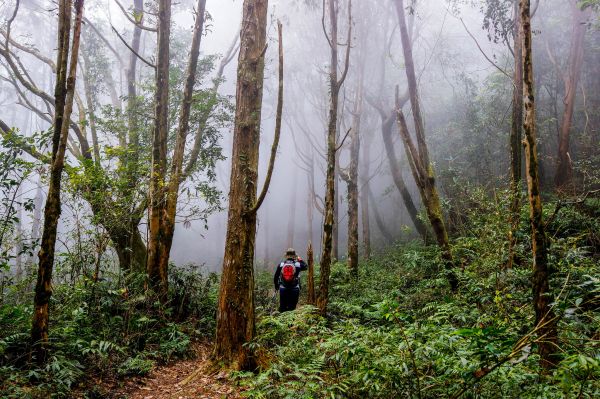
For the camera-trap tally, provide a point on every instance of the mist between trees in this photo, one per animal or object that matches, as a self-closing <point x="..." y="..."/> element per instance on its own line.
<point x="143" y="137"/>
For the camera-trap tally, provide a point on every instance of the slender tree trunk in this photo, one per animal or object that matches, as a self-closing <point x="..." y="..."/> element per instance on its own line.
<point x="171" y="193"/>
<point x="544" y="316"/>
<point x="413" y="212"/>
<point x="564" y="171"/>
<point x="419" y="156"/>
<point x="516" y="134"/>
<point x="63" y="98"/>
<point x="352" y="181"/>
<point x="235" y="313"/>
<point x="364" y="196"/>
<point x="157" y="275"/>
<point x="334" y="87"/>
<point x="311" y="274"/>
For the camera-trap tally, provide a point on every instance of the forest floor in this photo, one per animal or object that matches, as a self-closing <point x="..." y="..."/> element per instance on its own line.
<point x="181" y="379"/>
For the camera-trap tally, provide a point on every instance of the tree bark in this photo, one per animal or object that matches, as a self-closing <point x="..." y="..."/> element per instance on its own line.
<point x="386" y="133"/>
<point x="157" y="275"/>
<point x="63" y="99"/>
<point x="516" y="134"/>
<point x="171" y="192"/>
<point x="564" y="171"/>
<point x="418" y="155"/>
<point x="235" y="313"/>
<point x="352" y="181"/>
<point x="364" y="196"/>
<point x="542" y="298"/>
<point x="334" y="87"/>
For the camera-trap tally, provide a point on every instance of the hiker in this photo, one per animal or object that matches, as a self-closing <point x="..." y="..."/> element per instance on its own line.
<point x="287" y="280"/>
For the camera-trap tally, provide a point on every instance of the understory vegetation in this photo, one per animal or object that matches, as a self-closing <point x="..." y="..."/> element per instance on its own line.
<point x="103" y="331"/>
<point x="397" y="330"/>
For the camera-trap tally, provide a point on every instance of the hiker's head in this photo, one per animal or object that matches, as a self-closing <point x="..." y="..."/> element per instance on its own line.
<point x="290" y="253"/>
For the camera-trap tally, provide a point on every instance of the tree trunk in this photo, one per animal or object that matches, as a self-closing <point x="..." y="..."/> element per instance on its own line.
<point x="311" y="275"/>
<point x="515" y="139"/>
<point x="386" y="133"/>
<point x="544" y="316"/>
<point x="63" y="98"/>
<point x="352" y="182"/>
<point x="235" y="313"/>
<point x="334" y="87"/>
<point x="418" y="155"/>
<point x="564" y="171"/>
<point x="157" y="274"/>
<point x="364" y="195"/>
<point x="171" y="192"/>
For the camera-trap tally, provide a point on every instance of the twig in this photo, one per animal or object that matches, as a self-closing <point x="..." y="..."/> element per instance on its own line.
<point x="343" y="140"/>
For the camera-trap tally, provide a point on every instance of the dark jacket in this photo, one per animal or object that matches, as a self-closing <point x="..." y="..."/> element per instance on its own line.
<point x="300" y="266"/>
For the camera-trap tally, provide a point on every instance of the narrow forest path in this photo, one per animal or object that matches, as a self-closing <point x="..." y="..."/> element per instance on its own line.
<point x="184" y="379"/>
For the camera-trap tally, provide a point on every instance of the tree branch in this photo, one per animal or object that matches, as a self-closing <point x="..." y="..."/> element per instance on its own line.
<point x="132" y="50"/>
<point x="133" y="21"/>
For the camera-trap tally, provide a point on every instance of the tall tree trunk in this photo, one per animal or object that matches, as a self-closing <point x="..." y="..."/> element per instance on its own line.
<point x="544" y="316"/>
<point x="516" y="134"/>
<point x="419" y="158"/>
<point x="351" y="179"/>
<point x="157" y="275"/>
<point x="63" y="98"/>
<point x="334" y="87"/>
<point x="171" y="192"/>
<point x="364" y="195"/>
<point x="235" y="313"/>
<point x="564" y="171"/>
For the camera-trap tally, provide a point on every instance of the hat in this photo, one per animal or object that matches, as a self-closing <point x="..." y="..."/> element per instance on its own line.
<point x="291" y="252"/>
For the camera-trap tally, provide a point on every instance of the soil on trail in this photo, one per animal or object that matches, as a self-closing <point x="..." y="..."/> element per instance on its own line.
<point x="183" y="379"/>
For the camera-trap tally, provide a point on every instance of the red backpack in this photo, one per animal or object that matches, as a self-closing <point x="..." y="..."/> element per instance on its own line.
<point x="288" y="273"/>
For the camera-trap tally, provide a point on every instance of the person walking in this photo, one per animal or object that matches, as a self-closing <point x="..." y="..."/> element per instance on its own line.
<point x="287" y="280"/>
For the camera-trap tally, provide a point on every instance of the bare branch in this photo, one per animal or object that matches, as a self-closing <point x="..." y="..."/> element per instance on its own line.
<point x="348" y="41"/>
<point x="343" y="140"/>
<point x="132" y="50"/>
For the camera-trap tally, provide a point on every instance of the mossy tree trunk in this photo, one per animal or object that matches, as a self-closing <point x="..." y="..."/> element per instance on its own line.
<point x="235" y="312"/>
<point x="334" y="88"/>
<point x="63" y="98"/>
<point x="418" y="155"/>
<point x="542" y="298"/>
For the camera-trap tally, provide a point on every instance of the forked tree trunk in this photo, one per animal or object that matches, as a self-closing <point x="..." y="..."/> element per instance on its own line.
<point x="542" y="298"/>
<point x="235" y="313"/>
<point x="418" y="155"/>
<point x="564" y="172"/>
<point x="171" y="192"/>
<point x="157" y="275"/>
<point x="515" y="139"/>
<point x="63" y="98"/>
<point x="334" y="87"/>
<point x="311" y="299"/>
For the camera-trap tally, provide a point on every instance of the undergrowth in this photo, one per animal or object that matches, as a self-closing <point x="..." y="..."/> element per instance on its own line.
<point x="106" y="330"/>
<point x="397" y="331"/>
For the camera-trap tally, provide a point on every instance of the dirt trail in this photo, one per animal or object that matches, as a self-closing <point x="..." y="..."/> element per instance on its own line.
<point x="184" y="379"/>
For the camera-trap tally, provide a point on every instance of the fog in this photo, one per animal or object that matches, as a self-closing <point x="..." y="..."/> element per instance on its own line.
<point x="460" y="73"/>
